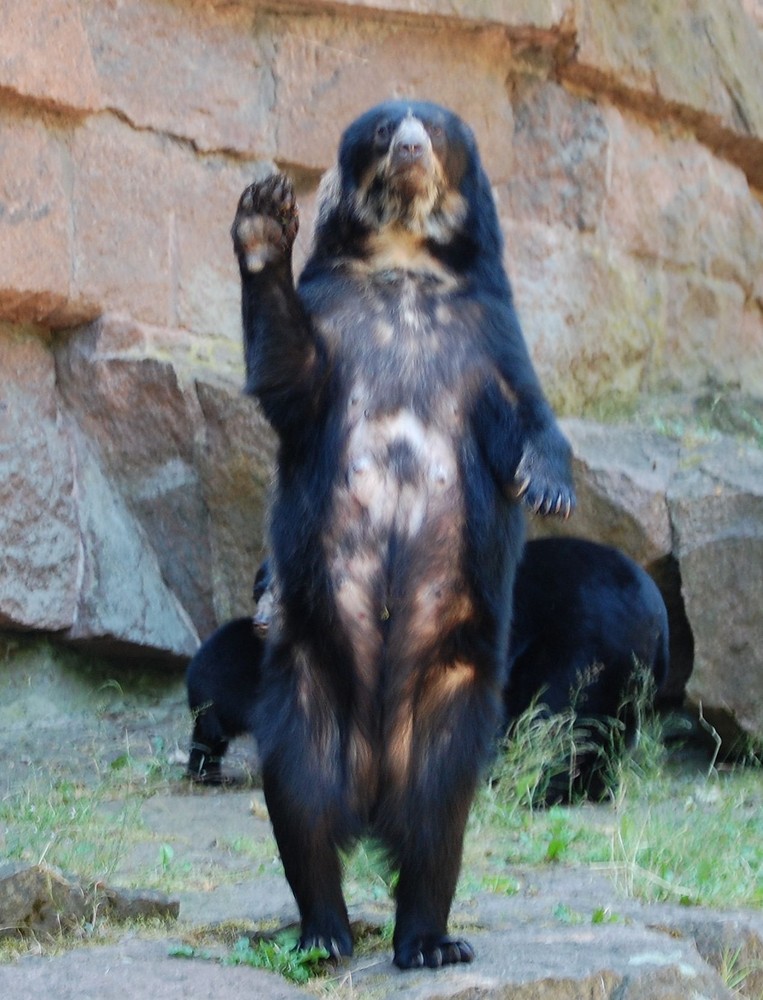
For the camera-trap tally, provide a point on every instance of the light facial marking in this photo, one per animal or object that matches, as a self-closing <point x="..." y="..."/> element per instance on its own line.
<point x="410" y="187"/>
<point x="329" y="194"/>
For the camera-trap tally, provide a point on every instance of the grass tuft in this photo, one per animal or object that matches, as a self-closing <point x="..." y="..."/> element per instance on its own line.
<point x="278" y="954"/>
<point x="674" y="828"/>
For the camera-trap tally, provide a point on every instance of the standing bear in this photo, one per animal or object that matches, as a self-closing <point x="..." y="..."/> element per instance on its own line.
<point x="410" y="424"/>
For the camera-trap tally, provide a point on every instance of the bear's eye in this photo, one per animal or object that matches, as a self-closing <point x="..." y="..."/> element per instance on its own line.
<point x="436" y="133"/>
<point x="382" y="133"/>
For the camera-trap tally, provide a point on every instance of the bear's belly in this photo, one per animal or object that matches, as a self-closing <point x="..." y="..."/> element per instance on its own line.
<point x="396" y="527"/>
<point x="398" y="472"/>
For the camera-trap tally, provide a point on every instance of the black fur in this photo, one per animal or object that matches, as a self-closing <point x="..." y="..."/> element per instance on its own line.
<point x="589" y="626"/>
<point x="409" y="421"/>
<point x="222" y="681"/>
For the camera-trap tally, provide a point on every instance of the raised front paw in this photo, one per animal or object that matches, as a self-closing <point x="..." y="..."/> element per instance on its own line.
<point x="432" y="951"/>
<point x="266" y="223"/>
<point x="544" y="482"/>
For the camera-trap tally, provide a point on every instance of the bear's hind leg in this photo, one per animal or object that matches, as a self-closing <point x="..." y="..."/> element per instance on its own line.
<point x="433" y="775"/>
<point x="427" y="881"/>
<point x="308" y="845"/>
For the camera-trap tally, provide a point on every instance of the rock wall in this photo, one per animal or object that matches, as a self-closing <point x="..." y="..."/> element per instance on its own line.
<point x="625" y="144"/>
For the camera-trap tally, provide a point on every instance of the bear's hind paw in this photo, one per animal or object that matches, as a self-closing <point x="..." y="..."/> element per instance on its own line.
<point x="432" y="952"/>
<point x="335" y="947"/>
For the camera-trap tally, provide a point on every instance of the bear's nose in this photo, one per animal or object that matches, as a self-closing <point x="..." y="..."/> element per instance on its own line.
<point x="410" y="141"/>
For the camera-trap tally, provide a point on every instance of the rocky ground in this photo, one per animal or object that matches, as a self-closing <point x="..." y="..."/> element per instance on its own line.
<point x="554" y="932"/>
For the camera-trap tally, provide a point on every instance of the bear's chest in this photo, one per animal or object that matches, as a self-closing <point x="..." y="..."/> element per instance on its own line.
<point x="404" y="338"/>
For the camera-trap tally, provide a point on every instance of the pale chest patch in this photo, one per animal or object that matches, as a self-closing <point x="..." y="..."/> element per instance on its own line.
<point x="398" y="468"/>
<point x="400" y="480"/>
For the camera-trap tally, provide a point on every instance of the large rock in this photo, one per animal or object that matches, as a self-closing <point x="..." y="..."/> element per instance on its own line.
<point x="42" y="901"/>
<point x="38" y="505"/>
<point x="236" y="461"/>
<point x="621" y="478"/>
<point x="555" y="183"/>
<point x="122" y="209"/>
<point x="39" y="900"/>
<point x="144" y="425"/>
<point x="124" y="607"/>
<point x="38" y="36"/>
<point x="210" y="58"/>
<point x="716" y="509"/>
<point x="35" y="221"/>
<point x="696" y="58"/>
<point x="75" y="558"/>
<point x="133" y="502"/>
<point x="691" y="512"/>
<point x="192" y="459"/>
<point x="151" y="230"/>
<point x="620" y="294"/>
<point x="699" y="240"/>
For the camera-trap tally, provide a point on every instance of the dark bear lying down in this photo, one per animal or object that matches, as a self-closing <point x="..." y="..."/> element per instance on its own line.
<point x="586" y="619"/>
<point x="409" y="423"/>
<point x="589" y="635"/>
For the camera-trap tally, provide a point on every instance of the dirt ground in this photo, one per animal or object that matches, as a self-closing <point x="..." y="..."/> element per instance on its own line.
<point x="215" y="847"/>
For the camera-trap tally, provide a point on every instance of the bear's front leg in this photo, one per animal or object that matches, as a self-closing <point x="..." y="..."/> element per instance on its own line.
<point x="284" y="361"/>
<point x="544" y="477"/>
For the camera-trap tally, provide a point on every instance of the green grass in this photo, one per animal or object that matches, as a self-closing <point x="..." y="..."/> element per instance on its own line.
<point x="671" y="830"/>
<point x="75" y="827"/>
<point x="695" y="839"/>
<point x="278" y="954"/>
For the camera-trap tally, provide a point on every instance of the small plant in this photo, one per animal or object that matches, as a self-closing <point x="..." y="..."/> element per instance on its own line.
<point x="561" y="835"/>
<point x="566" y="915"/>
<point x="166" y="857"/>
<point x="368" y="872"/>
<point x="502" y="885"/>
<point x="603" y="915"/>
<point x="734" y="972"/>
<point x="277" y="954"/>
<point x="567" y="756"/>
<point x="295" y="964"/>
